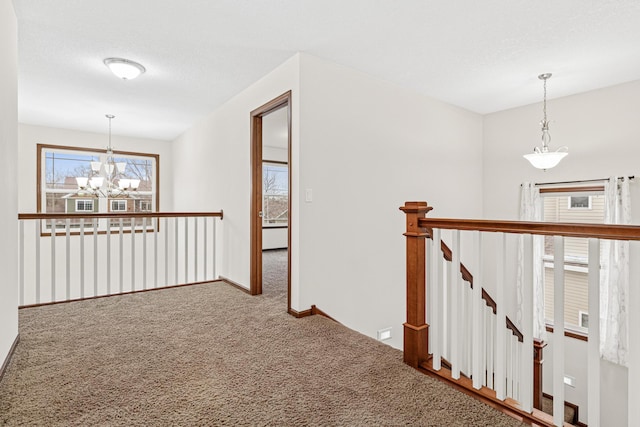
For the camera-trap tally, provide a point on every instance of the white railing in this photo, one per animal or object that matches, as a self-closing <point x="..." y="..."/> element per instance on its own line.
<point x="460" y="326"/>
<point x="92" y="255"/>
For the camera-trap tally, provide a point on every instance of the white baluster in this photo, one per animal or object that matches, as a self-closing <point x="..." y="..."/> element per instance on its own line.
<point x="491" y="328"/>
<point x="133" y="254"/>
<point x="593" y="345"/>
<point x="94" y="223"/>
<point x="176" y="223"/>
<point x="500" y="321"/>
<point x="558" y="331"/>
<point x="526" y="362"/>
<point x="195" y="249"/>
<point x="38" y="237"/>
<point x="477" y="334"/>
<point x="108" y="237"/>
<point x="155" y="225"/>
<point x="121" y="255"/>
<point x="509" y="366"/>
<point x="144" y="253"/>
<point x="166" y="251"/>
<point x="81" y="257"/>
<point x="436" y="327"/>
<point x="205" y="248"/>
<point x="456" y="334"/>
<point x="67" y="260"/>
<point x="53" y="259"/>
<point x="21" y="266"/>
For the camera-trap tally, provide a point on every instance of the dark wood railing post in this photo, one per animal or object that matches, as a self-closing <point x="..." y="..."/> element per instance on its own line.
<point x="416" y="331"/>
<point x="538" y="359"/>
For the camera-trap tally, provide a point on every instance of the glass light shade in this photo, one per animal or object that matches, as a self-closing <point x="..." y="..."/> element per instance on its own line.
<point x="124" y="68"/>
<point x="546" y="160"/>
<point x="82" y="181"/>
<point x="135" y="183"/>
<point x="96" y="181"/>
<point x="109" y="168"/>
<point x="95" y="166"/>
<point x="124" y="183"/>
<point x="121" y="166"/>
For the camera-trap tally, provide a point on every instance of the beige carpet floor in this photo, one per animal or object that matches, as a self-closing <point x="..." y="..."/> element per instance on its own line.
<point x="213" y="355"/>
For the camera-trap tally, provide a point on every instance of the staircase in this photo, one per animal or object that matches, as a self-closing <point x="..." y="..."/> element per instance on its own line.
<point x="460" y="334"/>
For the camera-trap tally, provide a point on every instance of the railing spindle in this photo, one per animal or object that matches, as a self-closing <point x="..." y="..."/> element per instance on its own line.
<point x="21" y="266"/>
<point x="121" y="255"/>
<point x="558" y="330"/>
<point x="593" y="345"/>
<point x="81" y="257"/>
<point x="436" y="295"/>
<point x="526" y="363"/>
<point x="38" y="233"/>
<point x="53" y="259"/>
<point x="144" y="253"/>
<point x="195" y="249"/>
<point x="204" y="255"/>
<point x="456" y="288"/>
<point x="166" y="251"/>
<point x="186" y="250"/>
<point x="67" y="261"/>
<point x="94" y="223"/>
<point x="477" y="333"/>
<point x="176" y="224"/>
<point x="133" y="256"/>
<point x="501" y="318"/>
<point x="108" y="257"/>
<point x="156" y="224"/>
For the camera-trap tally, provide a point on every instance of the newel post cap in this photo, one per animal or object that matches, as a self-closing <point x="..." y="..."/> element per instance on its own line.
<point x="416" y="207"/>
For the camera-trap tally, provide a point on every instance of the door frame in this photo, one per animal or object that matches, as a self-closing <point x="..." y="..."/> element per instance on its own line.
<point x="255" y="285"/>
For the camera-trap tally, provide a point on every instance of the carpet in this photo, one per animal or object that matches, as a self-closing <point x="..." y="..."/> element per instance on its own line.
<point x="213" y="355"/>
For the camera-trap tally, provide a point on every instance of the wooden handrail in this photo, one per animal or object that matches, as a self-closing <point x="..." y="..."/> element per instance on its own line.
<point x="599" y="231"/>
<point x="27" y="216"/>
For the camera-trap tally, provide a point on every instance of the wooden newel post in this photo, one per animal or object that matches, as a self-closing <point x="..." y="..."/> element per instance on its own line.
<point x="538" y="360"/>
<point x="416" y="331"/>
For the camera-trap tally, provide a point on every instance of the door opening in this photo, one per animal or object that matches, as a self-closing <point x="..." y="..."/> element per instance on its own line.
<point x="270" y="189"/>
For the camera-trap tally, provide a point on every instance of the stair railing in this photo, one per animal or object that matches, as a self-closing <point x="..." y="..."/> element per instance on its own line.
<point x="459" y="325"/>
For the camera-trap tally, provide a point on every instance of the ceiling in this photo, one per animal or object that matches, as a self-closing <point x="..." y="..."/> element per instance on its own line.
<point x="480" y="55"/>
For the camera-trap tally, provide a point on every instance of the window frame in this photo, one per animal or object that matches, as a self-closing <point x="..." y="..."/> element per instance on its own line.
<point x="279" y="163"/>
<point x="118" y="201"/>
<point x="41" y="192"/>
<point x="84" y="201"/>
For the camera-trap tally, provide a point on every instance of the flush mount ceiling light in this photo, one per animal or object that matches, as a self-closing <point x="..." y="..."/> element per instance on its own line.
<point x="124" y="68"/>
<point x="542" y="158"/>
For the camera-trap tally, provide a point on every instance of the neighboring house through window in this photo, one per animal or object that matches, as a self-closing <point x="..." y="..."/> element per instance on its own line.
<point x="58" y="190"/>
<point x="579" y="207"/>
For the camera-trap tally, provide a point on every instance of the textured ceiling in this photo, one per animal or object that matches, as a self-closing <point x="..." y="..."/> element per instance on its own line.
<point x="480" y="55"/>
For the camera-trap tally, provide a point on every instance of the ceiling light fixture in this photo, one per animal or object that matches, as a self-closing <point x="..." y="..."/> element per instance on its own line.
<point x="124" y="68"/>
<point x="107" y="179"/>
<point x="542" y="158"/>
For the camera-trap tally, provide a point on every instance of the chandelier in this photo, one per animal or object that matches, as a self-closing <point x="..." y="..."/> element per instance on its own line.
<point x="542" y="158"/>
<point x="107" y="179"/>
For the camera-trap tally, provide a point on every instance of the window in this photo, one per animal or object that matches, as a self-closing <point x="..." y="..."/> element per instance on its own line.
<point x="579" y="202"/>
<point x="570" y="207"/>
<point x="59" y="192"/>
<point x="118" y="205"/>
<point x="275" y="194"/>
<point x="84" y="205"/>
<point x="583" y="319"/>
<point x="58" y="168"/>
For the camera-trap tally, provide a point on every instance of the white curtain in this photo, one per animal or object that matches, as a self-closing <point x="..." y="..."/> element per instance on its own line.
<point x="531" y="210"/>
<point x="614" y="275"/>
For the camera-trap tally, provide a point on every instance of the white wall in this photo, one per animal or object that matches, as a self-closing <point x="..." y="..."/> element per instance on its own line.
<point x="8" y="177"/>
<point x="366" y="147"/>
<point x="602" y="132"/>
<point x="29" y="136"/>
<point x="213" y="158"/>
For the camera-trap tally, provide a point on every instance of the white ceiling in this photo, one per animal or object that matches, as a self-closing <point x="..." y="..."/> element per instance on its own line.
<point x="481" y="55"/>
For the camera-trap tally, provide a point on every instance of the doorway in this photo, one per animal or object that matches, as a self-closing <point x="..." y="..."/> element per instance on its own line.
<point x="270" y="190"/>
